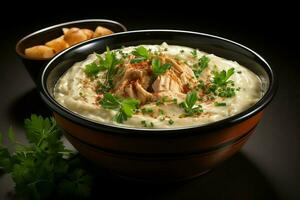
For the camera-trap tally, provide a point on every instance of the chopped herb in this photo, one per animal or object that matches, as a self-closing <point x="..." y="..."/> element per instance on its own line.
<point x="175" y="101"/>
<point x="194" y="53"/>
<point x="147" y="110"/>
<point x="221" y="78"/>
<point x="125" y="107"/>
<point x="109" y="63"/>
<point x="220" y="104"/>
<point x="92" y="69"/>
<point x="165" y="49"/>
<point x="171" y="121"/>
<point x="146" y="124"/>
<point x="239" y="72"/>
<point x="159" y="69"/>
<point x="137" y="60"/>
<point x="189" y="104"/>
<point x="162" y="101"/>
<point x="141" y="52"/>
<point x="220" y="83"/>
<point x="201" y="65"/>
<point x="161" y="112"/>
<point x="181" y="51"/>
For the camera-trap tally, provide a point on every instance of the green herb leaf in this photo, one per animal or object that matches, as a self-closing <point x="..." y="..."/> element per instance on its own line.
<point x="201" y="65"/>
<point x="159" y="69"/>
<point x="147" y="110"/>
<point x="110" y="102"/>
<point x="189" y="104"/>
<point x="137" y="60"/>
<point x="147" y="124"/>
<point x="219" y="104"/>
<point x="221" y="78"/>
<point x="38" y="167"/>
<point x="92" y="69"/>
<point x="220" y="83"/>
<point x="129" y="106"/>
<point x="125" y="107"/>
<point x="171" y="122"/>
<point x="141" y="52"/>
<point x="194" y="53"/>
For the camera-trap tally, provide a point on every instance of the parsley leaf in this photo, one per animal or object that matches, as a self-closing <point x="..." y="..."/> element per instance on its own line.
<point x="92" y="69"/>
<point x="108" y="63"/>
<point x="221" y="78"/>
<point x="125" y="107"/>
<point x="220" y="83"/>
<point x="141" y="52"/>
<point x="194" y="53"/>
<point x="159" y="69"/>
<point x="220" y="104"/>
<point x="39" y="168"/>
<point x="201" y="65"/>
<point x="189" y="104"/>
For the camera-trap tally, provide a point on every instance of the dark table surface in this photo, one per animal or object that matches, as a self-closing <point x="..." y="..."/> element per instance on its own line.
<point x="268" y="165"/>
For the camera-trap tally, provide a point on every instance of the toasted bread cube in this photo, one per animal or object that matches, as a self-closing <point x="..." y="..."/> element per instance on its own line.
<point x="40" y="52"/>
<point x="89" y="33"/>
<point x="74" y="36"/>
<point x="58" y="44"/>
<point x="101" y="31"/>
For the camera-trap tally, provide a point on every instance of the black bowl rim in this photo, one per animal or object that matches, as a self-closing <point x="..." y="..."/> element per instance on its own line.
<point x="178" y="131"/>
<point x="59" y="25"/>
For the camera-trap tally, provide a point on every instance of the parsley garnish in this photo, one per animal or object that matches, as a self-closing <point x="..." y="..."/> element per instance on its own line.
<point x="162" y="101"/>
<point x="189" y="104"/>
<point x="147" y="110"/>
<point x="141" y="54"/>
<point x="194" y="53"/>
<point x="220" y="104"/>
<point x="43" y="168"/>
<point x="201" y="65"/>
<point x="147" y="124"/>
<point x="220" y="83"/>
<point x="171" y="122"/>
<point x="109" y="63"/>
<point x="159" y="69"/>
<point x="222" y="78"/>
<point x="125" y="107"/>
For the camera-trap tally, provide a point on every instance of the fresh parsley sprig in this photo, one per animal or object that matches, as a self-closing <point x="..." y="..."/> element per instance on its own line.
<point x="201" y="65"/>
<point x="44" y="168"/>
<point x="109" y="64"/>
<point x="189" y="105"/>
<point x="125" y="107"/>
<point x="221" y="85"/>
<point x="157" y="68"/>
<point x="141" y="53"/>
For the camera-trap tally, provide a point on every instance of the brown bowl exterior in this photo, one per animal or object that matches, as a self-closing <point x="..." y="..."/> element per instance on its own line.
<point x="35" y="66"/>
<point x="155" y="166"/>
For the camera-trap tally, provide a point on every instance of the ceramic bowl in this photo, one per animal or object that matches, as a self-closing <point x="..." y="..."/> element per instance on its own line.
<point x="35" y="66"/>
<point x="159" y="154"/>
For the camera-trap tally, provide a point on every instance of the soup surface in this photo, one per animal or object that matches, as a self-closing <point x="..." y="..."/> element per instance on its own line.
<point x="157" y="86"/>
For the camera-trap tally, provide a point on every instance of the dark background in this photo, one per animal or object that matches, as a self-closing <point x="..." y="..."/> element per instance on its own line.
<point x="266" y="168"/>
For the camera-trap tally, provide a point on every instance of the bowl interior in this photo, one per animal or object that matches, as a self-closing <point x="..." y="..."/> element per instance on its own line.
<point x="204" y="42"/>
<point x="44" y="35"/>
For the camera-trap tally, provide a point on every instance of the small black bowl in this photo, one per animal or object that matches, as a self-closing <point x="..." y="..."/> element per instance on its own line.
<point x="158" y="154"/>
<point x="35" y="66"/>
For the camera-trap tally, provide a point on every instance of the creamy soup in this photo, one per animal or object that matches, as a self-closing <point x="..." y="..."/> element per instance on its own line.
<point x="157" y="86"/>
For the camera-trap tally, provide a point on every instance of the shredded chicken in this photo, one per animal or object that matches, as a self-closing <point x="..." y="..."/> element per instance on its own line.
<point x="137" y="81"/>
